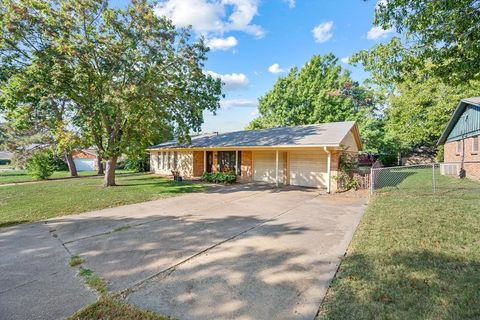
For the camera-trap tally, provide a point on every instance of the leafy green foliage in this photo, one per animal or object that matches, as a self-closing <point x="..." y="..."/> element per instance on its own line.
<point x="137" y="163"/>
<point x="127" y="76"/>
<point x="219" y="177"/>
<point x="445" y="34"/>
<point x="419" y="110"/>
<point x="40" y="165"/>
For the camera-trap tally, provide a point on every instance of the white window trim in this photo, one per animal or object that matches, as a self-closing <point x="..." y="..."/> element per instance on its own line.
<point x="477" y="146"/>
<point x="458" y="148"/>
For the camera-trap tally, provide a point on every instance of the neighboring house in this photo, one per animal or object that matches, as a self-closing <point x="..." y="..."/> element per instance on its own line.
<point x="461" y="140"/>
<point x="5" y="157"/>
<point x="420" y="155"/>
<point x="303" y="155"/>
<point x="85" y="159"/>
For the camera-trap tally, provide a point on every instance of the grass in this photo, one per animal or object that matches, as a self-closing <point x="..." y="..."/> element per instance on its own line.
<point x="121" y="228"/>
<point x="93" y="281"/>
<point x="75" y="261"/>
<point x="415" y="255"/>
<point x="110" y="308"/>
<point x="32" y="202"/>
<point x="19" y="176"/>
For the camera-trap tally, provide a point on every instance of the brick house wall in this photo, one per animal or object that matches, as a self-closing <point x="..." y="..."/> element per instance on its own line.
<point x="472" y="159"/>
<point x="246" y="166"/>
<point x="198" y="163"/>
<point x="79" y="154"/>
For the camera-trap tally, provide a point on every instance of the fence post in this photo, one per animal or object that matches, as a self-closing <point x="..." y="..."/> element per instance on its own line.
<point x="371" y="180"/>
<point x="433" y="178"/>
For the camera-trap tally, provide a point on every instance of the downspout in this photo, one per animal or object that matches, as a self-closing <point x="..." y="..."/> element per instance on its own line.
<point x="329" y="171"/>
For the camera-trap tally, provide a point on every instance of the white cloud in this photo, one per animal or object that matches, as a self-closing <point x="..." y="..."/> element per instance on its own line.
<point x="231" y="81"/>
<point x="322" y="32"/>
<point x="275" y="68"/>
<point x="213" y="16"/>
<point x="378" y="33"/>
<point x="222" y="43"/>
<point x="345" y="60"/>
<point x="232" y="103"/>
<point x="291" y="3"/>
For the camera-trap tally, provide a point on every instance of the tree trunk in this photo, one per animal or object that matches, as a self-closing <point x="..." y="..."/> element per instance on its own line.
<point x="99" y="166"/>
<point x="71" y="164"/>
<point x="109" y="179"/>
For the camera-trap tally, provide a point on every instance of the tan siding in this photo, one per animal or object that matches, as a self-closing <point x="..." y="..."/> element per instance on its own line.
<point x="167" y="161"/>
<point x="349" y="142"/>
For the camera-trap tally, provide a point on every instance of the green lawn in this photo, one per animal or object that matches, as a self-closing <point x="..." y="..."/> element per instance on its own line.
<point x="15" y="176"/>
<point x="114" y="309"/>
<point x="415" y="255"/>
<point x="32" y="202"/>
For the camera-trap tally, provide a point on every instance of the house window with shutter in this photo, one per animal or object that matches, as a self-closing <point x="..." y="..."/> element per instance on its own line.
<point x="475" y="145"/>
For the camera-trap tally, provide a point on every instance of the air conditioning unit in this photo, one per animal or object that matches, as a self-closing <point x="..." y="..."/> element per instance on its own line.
<point x="449" y="169"/>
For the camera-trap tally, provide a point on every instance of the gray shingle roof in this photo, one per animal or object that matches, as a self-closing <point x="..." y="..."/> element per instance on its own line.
<point x="456" y="115"/>
<point x="309" y="135"/>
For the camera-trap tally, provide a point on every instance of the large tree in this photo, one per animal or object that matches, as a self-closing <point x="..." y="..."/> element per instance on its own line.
<point x="321" y="91"/>
<point x="134" y="77"/>
<point x="419" y="109"/>
<point x="445" y="34"/>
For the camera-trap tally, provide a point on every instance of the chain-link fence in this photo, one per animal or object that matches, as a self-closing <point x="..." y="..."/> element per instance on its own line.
<point x="420" y="179"/>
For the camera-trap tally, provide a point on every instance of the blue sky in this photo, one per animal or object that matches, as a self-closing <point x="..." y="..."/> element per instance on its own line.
<point x="255" y="41"/>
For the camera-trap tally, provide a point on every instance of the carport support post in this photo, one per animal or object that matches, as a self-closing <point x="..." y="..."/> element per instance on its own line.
<point x="329" y="171"/>
<point x="236" y="162"/>
<point x="204" y="161"/>
<point x="276" y="168"/>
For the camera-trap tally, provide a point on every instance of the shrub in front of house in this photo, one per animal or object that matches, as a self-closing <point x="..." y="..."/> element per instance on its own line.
<point x="40" y="165"/>
<point x="219" y="177"/>
<point x="137" y="163"/>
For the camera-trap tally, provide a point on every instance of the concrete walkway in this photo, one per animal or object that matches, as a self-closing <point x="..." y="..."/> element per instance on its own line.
<point x="238" y="252"/>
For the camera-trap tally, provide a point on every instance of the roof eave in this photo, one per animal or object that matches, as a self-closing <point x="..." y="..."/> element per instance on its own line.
<point x="453" y="119"/>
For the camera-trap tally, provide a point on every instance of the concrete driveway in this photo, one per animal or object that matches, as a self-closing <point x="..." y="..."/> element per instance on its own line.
<point x="238" y="252"/>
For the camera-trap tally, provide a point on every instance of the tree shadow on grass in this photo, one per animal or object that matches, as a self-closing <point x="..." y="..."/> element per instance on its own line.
<point x="404" y="285"/>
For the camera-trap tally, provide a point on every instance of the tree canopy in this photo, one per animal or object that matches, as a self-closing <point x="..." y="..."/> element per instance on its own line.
<point x="321" y="91"/>
<point x="443" y="34"/>
<point x="128" y="77"/>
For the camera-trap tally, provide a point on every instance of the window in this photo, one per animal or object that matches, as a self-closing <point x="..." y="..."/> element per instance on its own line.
<point x="459" y="147"/>
<point x="226" y="160"/>
<point x="175" y="160"/>
<point x="475" y="144"/>
<point x="158" y="160"/>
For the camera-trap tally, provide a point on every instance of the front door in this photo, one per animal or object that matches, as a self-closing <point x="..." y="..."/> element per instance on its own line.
<point x="209" y="161"/>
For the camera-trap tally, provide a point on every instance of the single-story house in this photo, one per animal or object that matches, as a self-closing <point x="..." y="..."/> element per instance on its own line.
<point x="461" y="140"/>
<point x="85" y="159"/>
<point x="302" y="155"/>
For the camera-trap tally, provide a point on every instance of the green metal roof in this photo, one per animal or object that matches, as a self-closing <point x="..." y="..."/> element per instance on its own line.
<point x="465" y="121"/>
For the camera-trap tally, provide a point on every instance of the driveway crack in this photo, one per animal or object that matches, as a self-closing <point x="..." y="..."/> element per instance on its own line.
<point x="167" y="272"/>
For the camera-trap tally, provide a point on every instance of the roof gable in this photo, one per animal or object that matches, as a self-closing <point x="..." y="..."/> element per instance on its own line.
<point x="465" y="121"/>
<point x="325" y="134"/>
